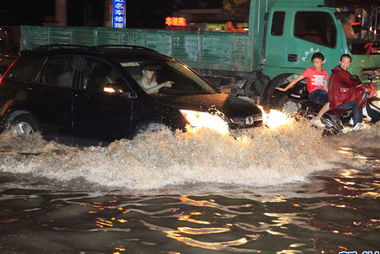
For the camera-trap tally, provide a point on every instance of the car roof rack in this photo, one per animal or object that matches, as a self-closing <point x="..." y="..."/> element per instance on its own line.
<point x="62" y="46"/>
<point x="123" y="46"/>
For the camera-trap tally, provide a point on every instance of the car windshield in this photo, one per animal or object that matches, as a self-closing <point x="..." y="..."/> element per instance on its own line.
<point x="166" y="77"/>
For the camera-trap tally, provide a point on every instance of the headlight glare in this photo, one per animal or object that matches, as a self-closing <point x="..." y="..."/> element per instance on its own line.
<point x="198" y="119"/>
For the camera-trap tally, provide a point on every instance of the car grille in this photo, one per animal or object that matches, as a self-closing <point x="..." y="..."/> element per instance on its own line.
<point x="246" y="122"/>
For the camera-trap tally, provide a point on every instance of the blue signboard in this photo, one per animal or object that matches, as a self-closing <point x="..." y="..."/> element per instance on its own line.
<point x="118" y="13"/>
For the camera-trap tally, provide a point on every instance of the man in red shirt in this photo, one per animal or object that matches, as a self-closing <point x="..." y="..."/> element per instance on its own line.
<point x="343" y="91"/>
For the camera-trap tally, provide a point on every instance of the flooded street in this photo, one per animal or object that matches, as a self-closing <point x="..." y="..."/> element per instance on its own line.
<point x="283" y="190"/>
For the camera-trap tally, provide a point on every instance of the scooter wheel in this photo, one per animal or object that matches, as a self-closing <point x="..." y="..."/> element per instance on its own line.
<point x="329" y="132"/>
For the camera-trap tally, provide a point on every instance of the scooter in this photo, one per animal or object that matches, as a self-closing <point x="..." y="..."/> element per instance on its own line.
<point x="334" y="120"/>
<point x="373" y="109"/>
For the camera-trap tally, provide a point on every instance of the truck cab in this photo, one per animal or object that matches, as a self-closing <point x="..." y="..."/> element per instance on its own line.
<point x="297" y="30"/>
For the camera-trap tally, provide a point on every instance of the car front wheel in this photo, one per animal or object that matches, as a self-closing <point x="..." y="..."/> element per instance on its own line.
<point x="24" y="125"/>
<point x="150" y="127"/>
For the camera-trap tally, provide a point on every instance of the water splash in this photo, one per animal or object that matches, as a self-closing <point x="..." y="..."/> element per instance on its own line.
<point x="275" y="118"/>
<point x="257" y="157"/>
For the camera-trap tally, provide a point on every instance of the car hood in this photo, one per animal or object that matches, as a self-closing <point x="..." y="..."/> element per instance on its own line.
<point x="229" y="105"/>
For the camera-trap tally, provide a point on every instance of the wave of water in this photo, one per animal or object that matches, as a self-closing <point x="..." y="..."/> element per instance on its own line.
<point x="257" y="157"/>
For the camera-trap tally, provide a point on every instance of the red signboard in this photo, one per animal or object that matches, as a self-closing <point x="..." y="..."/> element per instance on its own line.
<point x="175" y="21"/>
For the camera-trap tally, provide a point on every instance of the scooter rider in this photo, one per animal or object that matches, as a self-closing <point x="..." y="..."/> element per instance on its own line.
<point x="316" y="78"/>
<point x="343" y="91"/>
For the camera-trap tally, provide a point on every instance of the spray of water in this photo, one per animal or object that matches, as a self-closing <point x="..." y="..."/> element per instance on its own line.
<point x="258" y="157"/>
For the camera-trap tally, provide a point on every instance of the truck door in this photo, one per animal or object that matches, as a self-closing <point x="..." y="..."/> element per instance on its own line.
<point x="295" y="34"/>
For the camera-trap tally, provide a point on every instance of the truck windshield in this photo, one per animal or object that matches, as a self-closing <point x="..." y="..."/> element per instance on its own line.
<point x="166" y="77"/>
<point x="361" y="26"/>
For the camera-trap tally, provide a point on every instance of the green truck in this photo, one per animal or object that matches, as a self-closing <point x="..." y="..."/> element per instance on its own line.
<point x="282" y="36"/>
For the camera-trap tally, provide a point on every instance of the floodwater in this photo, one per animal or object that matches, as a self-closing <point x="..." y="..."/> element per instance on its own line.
<point x="285" y="190"/>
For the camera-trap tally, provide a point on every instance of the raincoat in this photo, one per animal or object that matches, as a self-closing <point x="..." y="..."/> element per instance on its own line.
<point x="343" y="89"/>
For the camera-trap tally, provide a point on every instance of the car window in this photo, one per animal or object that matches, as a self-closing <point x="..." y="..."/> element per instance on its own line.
<point x="166" y="77"/>
<point x="100" y="77"/>
<point x="26" y="70"/>
<point x="317" y="27"/>
<point x="58" y="71"/>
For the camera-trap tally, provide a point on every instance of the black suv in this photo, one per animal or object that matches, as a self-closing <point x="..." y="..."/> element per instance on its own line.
<point x="110" y="92"/>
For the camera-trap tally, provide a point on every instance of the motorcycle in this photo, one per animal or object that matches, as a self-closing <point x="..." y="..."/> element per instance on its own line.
<point x="335" y="119"/>
<point x="373" y="109"/>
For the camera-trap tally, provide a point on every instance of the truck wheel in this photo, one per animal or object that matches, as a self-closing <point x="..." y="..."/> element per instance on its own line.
<point x="272" y="97"/>
<point x="286" y="105"/>
<point x="24" y="124"/>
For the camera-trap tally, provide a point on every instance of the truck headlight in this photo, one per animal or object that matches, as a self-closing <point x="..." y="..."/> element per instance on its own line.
<point x="198" y="119"/>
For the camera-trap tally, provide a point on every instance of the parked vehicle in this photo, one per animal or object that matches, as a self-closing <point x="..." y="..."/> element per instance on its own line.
<point x="282" y="36"/>
<point x="96" y="92"/>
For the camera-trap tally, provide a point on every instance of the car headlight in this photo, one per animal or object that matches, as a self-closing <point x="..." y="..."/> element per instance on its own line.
<point x="198" y="119"/>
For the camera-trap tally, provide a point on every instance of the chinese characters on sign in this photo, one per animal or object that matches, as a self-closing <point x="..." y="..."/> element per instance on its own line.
<point x="118" y="13"/>
<point x="175" y="21"/>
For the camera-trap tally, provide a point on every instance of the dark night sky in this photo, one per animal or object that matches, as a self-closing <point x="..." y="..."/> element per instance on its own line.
<point x="16" y="12"/>
<point x="151" y="13"/>
<point x="29" y="12"/>
<point x="140" y="13"/>
<point x="148" y="13"/>
<point x="85" y="12"/>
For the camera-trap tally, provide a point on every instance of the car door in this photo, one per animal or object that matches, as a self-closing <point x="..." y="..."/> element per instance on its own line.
<point x="18" y="84"/>
<point x="52" y="93"/>
<point x="103" y="103"/>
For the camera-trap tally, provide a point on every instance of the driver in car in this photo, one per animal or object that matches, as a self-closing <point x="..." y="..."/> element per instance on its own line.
<point x="149" y="83"/>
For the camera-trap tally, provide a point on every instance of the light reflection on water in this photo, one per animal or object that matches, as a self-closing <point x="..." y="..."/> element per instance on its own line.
<point x="331" y="213"/>
<point x="334" y="210"/>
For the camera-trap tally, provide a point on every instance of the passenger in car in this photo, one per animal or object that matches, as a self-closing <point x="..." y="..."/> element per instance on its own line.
<point x="65" y="79"/>
<point x="149" y="83"/>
